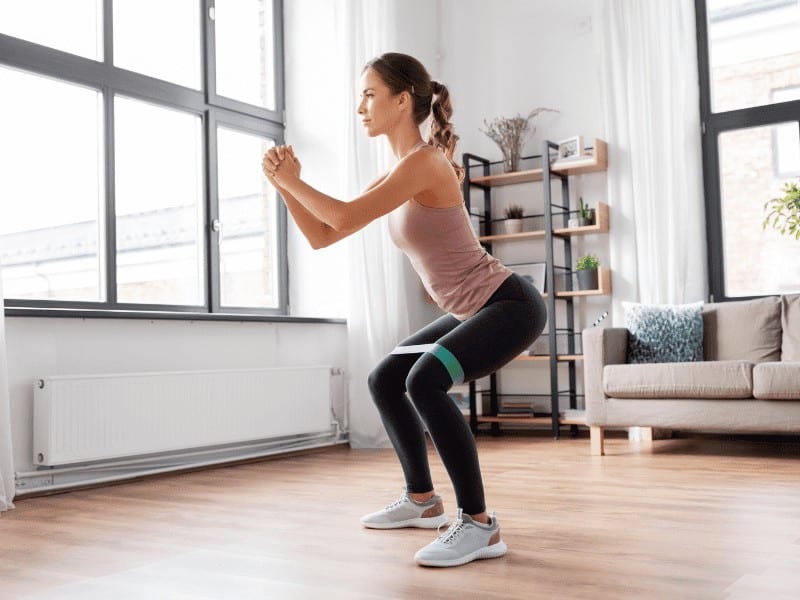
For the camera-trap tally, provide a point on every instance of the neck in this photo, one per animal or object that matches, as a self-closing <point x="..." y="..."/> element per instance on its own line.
<point x="403" y="141"/>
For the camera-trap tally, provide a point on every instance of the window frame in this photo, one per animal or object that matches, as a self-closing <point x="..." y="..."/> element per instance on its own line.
<point x="212" y="109"/>
<point x="713" y="124"/>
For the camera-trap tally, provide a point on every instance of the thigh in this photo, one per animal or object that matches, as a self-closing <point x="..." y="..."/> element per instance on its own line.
<point x="494" y="336"/>
<point x="432" y="332"/>
<point x="394" y="368"/>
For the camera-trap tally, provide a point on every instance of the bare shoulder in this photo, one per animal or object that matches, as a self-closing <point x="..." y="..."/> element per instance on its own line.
<point x="441" y="187"/>
<point x="431" y="160"/>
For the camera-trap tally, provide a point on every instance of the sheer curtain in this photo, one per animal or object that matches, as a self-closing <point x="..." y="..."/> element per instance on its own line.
<point x="6" y="462"/>
<point x="648" y="64"/>
<point x="377" y="317"/>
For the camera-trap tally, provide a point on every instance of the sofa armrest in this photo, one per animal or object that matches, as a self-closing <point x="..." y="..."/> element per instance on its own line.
<point x="601" y="346"/>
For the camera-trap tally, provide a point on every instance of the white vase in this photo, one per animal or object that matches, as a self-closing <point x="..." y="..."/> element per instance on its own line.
<point x="513" y="225"/>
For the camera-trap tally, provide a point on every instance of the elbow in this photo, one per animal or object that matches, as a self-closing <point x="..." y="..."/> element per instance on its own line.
<point x="338" y="225"/>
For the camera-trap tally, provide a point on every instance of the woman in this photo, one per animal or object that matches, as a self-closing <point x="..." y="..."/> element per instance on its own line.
<point x="493" y="314"/>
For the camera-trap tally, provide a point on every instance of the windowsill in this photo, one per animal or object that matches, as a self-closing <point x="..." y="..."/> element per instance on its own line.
<point x="162" y="315"/>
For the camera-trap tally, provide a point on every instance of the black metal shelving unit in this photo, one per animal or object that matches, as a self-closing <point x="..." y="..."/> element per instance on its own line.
<point x="478" y="175"/>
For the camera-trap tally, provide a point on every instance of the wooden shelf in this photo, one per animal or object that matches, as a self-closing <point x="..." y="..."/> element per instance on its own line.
<point x="603" y="280"/>
<point x="598" y="161"/>
<point x="576" y="418"/>
<point x="601" y="226"/>
<point x="545" y="357"/>
<point x="509" y="237"/>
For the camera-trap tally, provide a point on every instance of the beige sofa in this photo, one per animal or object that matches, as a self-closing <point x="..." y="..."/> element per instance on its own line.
<point x="749" y="380"/>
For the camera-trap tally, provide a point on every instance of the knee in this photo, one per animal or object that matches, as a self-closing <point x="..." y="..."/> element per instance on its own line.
<point x="384" y="379"/>
<point x="427" y="375"/>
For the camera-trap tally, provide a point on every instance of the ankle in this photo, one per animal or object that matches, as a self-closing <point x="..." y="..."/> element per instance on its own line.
<point x="421" y="496"/>
<point x="481" y="518"/>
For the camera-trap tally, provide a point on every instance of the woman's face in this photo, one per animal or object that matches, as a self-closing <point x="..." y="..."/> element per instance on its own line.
<point x="379" y="109"/>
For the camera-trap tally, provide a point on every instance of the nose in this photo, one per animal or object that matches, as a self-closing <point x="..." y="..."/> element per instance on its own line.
<point x="360" y="110"/>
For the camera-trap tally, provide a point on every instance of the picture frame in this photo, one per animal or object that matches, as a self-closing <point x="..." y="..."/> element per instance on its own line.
<point x="534" y="273"/>
<point x="571" y="148"/>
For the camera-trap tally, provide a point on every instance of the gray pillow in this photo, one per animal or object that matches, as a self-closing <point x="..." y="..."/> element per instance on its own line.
<point x="664" y="333"/>
<point x="743" y="330"/>
<point x="791" y="334"/>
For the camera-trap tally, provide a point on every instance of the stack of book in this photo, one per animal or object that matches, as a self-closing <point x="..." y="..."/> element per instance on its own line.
<point x="515" y="406"/>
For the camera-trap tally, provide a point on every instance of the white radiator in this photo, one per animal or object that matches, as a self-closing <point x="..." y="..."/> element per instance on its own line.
<point x="91" y="418"/>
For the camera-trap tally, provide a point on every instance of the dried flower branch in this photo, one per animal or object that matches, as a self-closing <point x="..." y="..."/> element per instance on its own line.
<point x="510" y="133"/>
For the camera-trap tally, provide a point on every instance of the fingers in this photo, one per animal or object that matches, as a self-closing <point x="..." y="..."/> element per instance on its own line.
<point x="272" y="159"/>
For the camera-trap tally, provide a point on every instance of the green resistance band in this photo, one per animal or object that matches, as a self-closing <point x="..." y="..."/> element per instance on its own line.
<point x="450" y="363"/>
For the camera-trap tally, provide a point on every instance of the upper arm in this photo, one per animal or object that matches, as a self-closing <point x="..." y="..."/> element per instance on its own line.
<point x="411" y="176"/>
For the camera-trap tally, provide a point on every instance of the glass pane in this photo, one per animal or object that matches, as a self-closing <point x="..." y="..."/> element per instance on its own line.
<point x="757" y="261"/>
<point x="51" y="188"/>
<point x="754" y="48"/>
<point x="244" y="40"/>
<point x="159" y="204"/>
<point x="160" y="39"/>
<point x="787" y="150"/>
<point x="248" y="212"/>
<point x="42" y="22"/>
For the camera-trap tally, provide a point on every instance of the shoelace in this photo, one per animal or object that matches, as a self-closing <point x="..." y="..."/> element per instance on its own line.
<point x="403" y="498"/>
<point x="454" y="531"/>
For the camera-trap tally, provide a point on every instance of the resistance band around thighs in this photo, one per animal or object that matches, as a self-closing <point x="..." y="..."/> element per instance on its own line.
<point x="444" y="355"/>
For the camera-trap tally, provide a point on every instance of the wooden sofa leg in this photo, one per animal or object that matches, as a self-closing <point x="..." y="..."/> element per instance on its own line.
<point x="597" y="439"/>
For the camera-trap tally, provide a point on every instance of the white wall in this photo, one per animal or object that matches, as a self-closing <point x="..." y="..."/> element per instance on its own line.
<point x="58" y="346"/>
<point x="508" y="57"/>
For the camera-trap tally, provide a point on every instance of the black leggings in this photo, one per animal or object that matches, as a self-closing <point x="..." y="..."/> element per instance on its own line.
<point x="465" y="350"/>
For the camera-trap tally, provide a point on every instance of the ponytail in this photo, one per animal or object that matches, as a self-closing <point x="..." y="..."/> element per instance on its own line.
<point x="441" y="133"/>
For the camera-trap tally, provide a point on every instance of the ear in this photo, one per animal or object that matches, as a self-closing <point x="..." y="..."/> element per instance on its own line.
<point x="404" y="100"/>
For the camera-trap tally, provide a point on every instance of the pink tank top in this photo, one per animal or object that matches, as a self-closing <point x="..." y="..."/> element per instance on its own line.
<point x="455" y="269"/>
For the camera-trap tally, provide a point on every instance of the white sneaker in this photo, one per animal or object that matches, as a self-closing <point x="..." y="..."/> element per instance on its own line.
<point x="464" y="541"/>
<point x="407" y="512"/>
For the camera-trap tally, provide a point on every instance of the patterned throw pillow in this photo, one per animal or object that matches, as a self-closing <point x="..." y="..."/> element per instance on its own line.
<point x="664" y="332"/>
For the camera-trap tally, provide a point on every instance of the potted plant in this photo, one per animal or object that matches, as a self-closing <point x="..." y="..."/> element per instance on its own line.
<point x="586" y="214"/>
<point x="587" y="272"/>
<point x="513" y="222"/>
<point x="510" y="133"/>
<point x="783" y="214"/>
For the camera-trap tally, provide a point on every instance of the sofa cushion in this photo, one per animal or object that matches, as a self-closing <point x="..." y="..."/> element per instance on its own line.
<point x="777" y="381"/>
<point x="790" y="313"/>
<point x="721" y="379"/>
<point x="743" y="330"/>
<point x="661" y="333"/>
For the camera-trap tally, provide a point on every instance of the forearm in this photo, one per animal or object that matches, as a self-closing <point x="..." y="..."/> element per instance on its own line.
<point x="330" y="211"/>
<point x="317" y="232"/>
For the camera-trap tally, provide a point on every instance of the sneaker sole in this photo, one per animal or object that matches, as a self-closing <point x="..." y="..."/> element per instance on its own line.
<point x="421" y="523"/>
<point x="494" y="551"/>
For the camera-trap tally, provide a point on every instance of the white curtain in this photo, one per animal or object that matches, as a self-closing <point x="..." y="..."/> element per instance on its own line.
<point x="6" y="461"/>
<point x="649" y="77"/>
<point x="378" y="316"/>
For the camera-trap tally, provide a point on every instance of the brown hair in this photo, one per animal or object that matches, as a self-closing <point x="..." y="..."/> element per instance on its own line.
<point x="404" y="73"/>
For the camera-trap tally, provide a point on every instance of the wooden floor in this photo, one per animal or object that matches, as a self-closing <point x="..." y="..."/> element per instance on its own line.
<point x="690" y="518"/>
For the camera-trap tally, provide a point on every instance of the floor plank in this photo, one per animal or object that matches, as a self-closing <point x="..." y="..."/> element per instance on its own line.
<point x="703" y="517"/>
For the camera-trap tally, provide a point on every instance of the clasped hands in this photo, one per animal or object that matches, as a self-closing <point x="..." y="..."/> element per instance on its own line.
<point x="280" y="165"/>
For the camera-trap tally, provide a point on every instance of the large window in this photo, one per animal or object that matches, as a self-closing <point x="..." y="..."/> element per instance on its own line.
<point x="131" y="135"/>
<point x="749" y="58"/>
